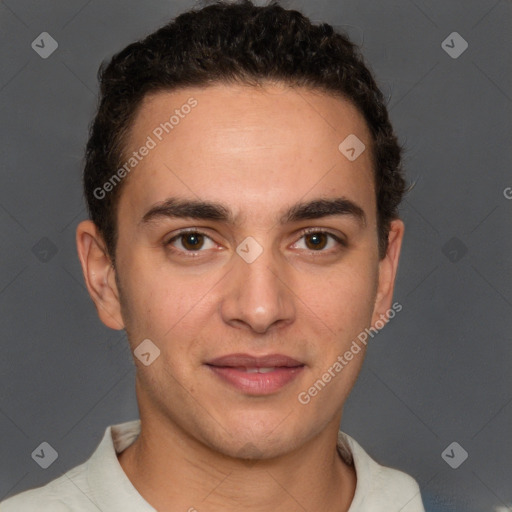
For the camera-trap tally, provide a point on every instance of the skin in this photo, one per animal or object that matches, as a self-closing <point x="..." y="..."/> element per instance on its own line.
<point x="203" y="443"/>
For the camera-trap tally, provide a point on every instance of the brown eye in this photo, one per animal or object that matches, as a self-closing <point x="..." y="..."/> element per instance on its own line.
<point x="190" y="241"/>
<point x="321" y="241"/>
<point x="318" y="240"/>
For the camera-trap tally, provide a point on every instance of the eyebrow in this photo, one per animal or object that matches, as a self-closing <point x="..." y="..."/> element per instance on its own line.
<point x="174" y="207"/>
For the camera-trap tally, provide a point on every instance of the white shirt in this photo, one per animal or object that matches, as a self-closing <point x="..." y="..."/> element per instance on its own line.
<point x="101" y="485"/>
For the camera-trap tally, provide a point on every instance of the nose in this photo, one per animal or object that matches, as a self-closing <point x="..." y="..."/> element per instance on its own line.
<point x="258" y="295"/>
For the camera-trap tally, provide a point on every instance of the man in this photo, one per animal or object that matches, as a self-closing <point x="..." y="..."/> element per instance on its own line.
<point x="242" y="180"/>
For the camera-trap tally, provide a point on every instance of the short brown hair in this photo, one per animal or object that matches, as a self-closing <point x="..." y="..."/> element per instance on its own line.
<point x="235" y="43"/>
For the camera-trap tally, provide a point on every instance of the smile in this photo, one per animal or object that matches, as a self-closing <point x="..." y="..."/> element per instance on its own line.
<point x="256" y="375"/>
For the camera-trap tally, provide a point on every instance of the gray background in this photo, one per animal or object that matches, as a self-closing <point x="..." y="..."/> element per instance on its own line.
<point x="440" y="370"/>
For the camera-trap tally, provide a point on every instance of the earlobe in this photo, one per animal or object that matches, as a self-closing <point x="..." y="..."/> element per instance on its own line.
<point x="99" y="274"/>
<point x="388" y="267"/>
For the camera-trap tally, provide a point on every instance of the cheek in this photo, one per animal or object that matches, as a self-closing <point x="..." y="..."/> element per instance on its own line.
<point x="359" y="297"/>
<point x="344" y="298"/>
<point x="167" y="308"/>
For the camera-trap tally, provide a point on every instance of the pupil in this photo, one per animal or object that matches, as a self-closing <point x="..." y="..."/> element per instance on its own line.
<point x="194" y="238"/>
<point x="318" y="237"/>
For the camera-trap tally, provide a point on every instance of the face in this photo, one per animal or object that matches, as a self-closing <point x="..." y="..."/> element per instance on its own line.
<point x="280" y="272"/>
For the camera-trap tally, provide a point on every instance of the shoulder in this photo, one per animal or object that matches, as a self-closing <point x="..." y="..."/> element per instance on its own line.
<point x="64" y="494"/>
<point x="379" y="487"/>
<point x="394" y="486"/>
<point x="97" y="484"/>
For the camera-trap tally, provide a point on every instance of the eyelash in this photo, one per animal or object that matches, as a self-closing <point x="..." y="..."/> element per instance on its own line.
<point x="191" y="254"/>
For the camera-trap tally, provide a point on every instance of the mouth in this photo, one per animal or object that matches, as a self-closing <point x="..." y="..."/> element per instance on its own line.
<point x="256" y="375"/>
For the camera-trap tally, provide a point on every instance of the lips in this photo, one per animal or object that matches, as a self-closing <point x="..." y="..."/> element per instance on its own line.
<point x="248" y="361"/>
<point x="256" y="375"/>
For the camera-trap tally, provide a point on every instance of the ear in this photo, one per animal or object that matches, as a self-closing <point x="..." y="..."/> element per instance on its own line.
<point x="387" y="270"/>
<point x="99" y="274"/>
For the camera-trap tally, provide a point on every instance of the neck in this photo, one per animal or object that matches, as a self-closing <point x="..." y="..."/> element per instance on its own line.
<point x="173" y="471"/>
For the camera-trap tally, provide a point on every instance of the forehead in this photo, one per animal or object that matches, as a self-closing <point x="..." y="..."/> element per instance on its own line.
<point x="246" y="146"/>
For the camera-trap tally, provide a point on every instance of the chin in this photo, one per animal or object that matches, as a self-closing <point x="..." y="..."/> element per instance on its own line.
<point x="256" y="449"/>
<point x="254" y="441"/>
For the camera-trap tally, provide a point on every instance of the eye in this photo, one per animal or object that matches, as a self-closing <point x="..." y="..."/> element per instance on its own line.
<point x="317" y="240"/>
<point x="193" y="241"/>
<point x="190" y="241"/>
